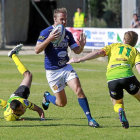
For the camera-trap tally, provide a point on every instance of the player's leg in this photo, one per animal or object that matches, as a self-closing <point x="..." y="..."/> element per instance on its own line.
<point x="133" y="87"/>
<point x="75" y="85"/>
<point x="116" y="94"/>
<point x="57" y="84"/>
<point x="59" y="99"/>
<point x="137" y="95"/>
<point x="26" y="82"/>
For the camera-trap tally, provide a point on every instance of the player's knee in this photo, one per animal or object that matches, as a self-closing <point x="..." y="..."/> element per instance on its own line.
<point x="79" y="92"/>
<point x="62" y="103"/>
<point x="28" y="74"/>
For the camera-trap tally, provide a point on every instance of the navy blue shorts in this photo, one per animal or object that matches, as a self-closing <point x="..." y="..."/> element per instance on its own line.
<point x="131" y="85"/>
<point x="23" y="92"/>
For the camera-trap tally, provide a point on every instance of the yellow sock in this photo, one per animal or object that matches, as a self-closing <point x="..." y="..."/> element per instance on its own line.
<point x="3" y="103"/>
<point x="19" y="64"/>
<point x="117" y="107"/>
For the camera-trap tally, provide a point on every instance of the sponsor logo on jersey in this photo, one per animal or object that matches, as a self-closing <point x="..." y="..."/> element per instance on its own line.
<point x="62" y="44"/>
<point x="62" y="62"/>
<point x="121" y="59"/>
<point x="26" y="102"/>
<point x="67" y="37"/>
<point x="62" y="54"/>
<point x="41" y="37"/>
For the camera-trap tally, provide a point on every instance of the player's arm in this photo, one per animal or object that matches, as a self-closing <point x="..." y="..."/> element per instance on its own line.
<point x="92" y="55"/>
<point x="138" y="67"/>
<point x="82" y="42"/>
<point x="40" y="111"/>
<point x="40" y="46"/>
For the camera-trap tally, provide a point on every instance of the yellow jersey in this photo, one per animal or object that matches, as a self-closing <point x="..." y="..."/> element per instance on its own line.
<point x="8" y="113"/>
<point x="79" y="20"/>
<point x="121" y="59"/>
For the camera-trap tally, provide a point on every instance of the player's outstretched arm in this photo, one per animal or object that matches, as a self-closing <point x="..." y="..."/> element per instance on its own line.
<point x="40" y="112"/>
<point x="89" y="56"/>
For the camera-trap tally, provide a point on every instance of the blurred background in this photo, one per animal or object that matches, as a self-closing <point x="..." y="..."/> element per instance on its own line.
<point x="23" y="20"/>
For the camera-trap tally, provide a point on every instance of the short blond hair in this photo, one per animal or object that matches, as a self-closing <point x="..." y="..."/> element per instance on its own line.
<point x="131" y="38"/>
<point x="59" y="10"/>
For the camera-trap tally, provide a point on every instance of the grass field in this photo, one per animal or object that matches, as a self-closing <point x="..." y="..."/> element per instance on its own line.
<point x="68" y="123"/>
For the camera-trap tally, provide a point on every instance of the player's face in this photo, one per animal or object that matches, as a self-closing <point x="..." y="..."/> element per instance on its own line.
<point x="19" y="111"/>
<point x="61" y="18"/>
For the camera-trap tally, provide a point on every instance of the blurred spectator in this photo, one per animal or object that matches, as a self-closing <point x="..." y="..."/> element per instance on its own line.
<point x="79" y="18"/>
<point x="135" y="23"/>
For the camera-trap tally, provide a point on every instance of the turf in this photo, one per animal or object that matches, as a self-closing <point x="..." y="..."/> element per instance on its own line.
<point x="69" y="122"/>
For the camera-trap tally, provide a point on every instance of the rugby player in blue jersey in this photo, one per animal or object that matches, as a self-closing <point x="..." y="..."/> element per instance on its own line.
<point x="58" y="73"/>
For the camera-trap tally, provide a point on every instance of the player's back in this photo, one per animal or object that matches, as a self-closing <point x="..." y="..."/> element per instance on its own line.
<point x="121" y="59"/>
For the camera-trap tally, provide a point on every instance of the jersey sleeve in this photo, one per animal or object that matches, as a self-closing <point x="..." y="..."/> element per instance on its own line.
<point x="72" y="43"/>
<point x="106" y="49"/>
<point x="43" y="35"/>
<point x="28" y="104"/>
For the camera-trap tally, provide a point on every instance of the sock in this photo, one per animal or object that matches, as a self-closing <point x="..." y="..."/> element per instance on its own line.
<point x="118" y="107"/>
<point x="84" y="105"/>
<point x="51" y="99"/>
<point x="3" y="103"/>
<point x="19" y="64"/>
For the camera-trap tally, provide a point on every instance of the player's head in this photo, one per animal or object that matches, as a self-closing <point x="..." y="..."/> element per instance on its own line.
<point x="17" y="107"/>
<point x="130" y="38"/>
<point x="135" y="16"/>
<point x="60" y="16"/>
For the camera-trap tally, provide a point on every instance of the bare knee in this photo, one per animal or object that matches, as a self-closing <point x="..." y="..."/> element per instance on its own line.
<point x="28" y="74"/>
<point x="61" y="103"/>
<point x="79" y="92"/>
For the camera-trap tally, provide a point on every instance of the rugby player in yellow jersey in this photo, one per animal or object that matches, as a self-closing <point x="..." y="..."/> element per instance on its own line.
<point x="18" y="103"/>
<point x="121" y="59"/>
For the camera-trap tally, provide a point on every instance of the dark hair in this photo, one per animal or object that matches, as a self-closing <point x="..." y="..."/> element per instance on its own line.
<point x="79" y="8"/>
<point x="15" y="104"/>
<point x="135" y="14"/>
<point x="131" y="38"/>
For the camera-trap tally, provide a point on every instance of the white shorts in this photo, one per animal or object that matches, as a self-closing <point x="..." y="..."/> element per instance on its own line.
<point x="57" y="79"/>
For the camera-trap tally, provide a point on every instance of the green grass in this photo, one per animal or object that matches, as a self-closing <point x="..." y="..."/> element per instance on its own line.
<point x="69" y="122"/>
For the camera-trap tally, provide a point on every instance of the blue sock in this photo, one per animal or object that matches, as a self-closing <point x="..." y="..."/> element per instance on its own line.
<point x="51" y="98"/>
<point x="84" y="105"/>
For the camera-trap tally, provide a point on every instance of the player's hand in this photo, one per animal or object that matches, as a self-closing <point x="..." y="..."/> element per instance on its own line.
<point x="74" y="60"/>
<point x="53" y="36"/>
<point x="82" y="40"/>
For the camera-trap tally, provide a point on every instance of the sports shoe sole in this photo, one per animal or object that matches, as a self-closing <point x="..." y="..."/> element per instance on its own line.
<point x="15" y="50"/>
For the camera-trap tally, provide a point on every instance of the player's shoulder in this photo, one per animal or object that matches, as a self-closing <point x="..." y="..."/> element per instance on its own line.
<point x="47" y="30"/>
<point x="117" y="44"/>
<point x="67" y="32"/>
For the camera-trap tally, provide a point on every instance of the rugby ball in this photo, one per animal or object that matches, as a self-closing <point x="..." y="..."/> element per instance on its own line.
<point x="60" y="28"/>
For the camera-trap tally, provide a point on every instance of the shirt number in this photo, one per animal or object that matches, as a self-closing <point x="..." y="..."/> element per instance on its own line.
<point x="127" y="53"/>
